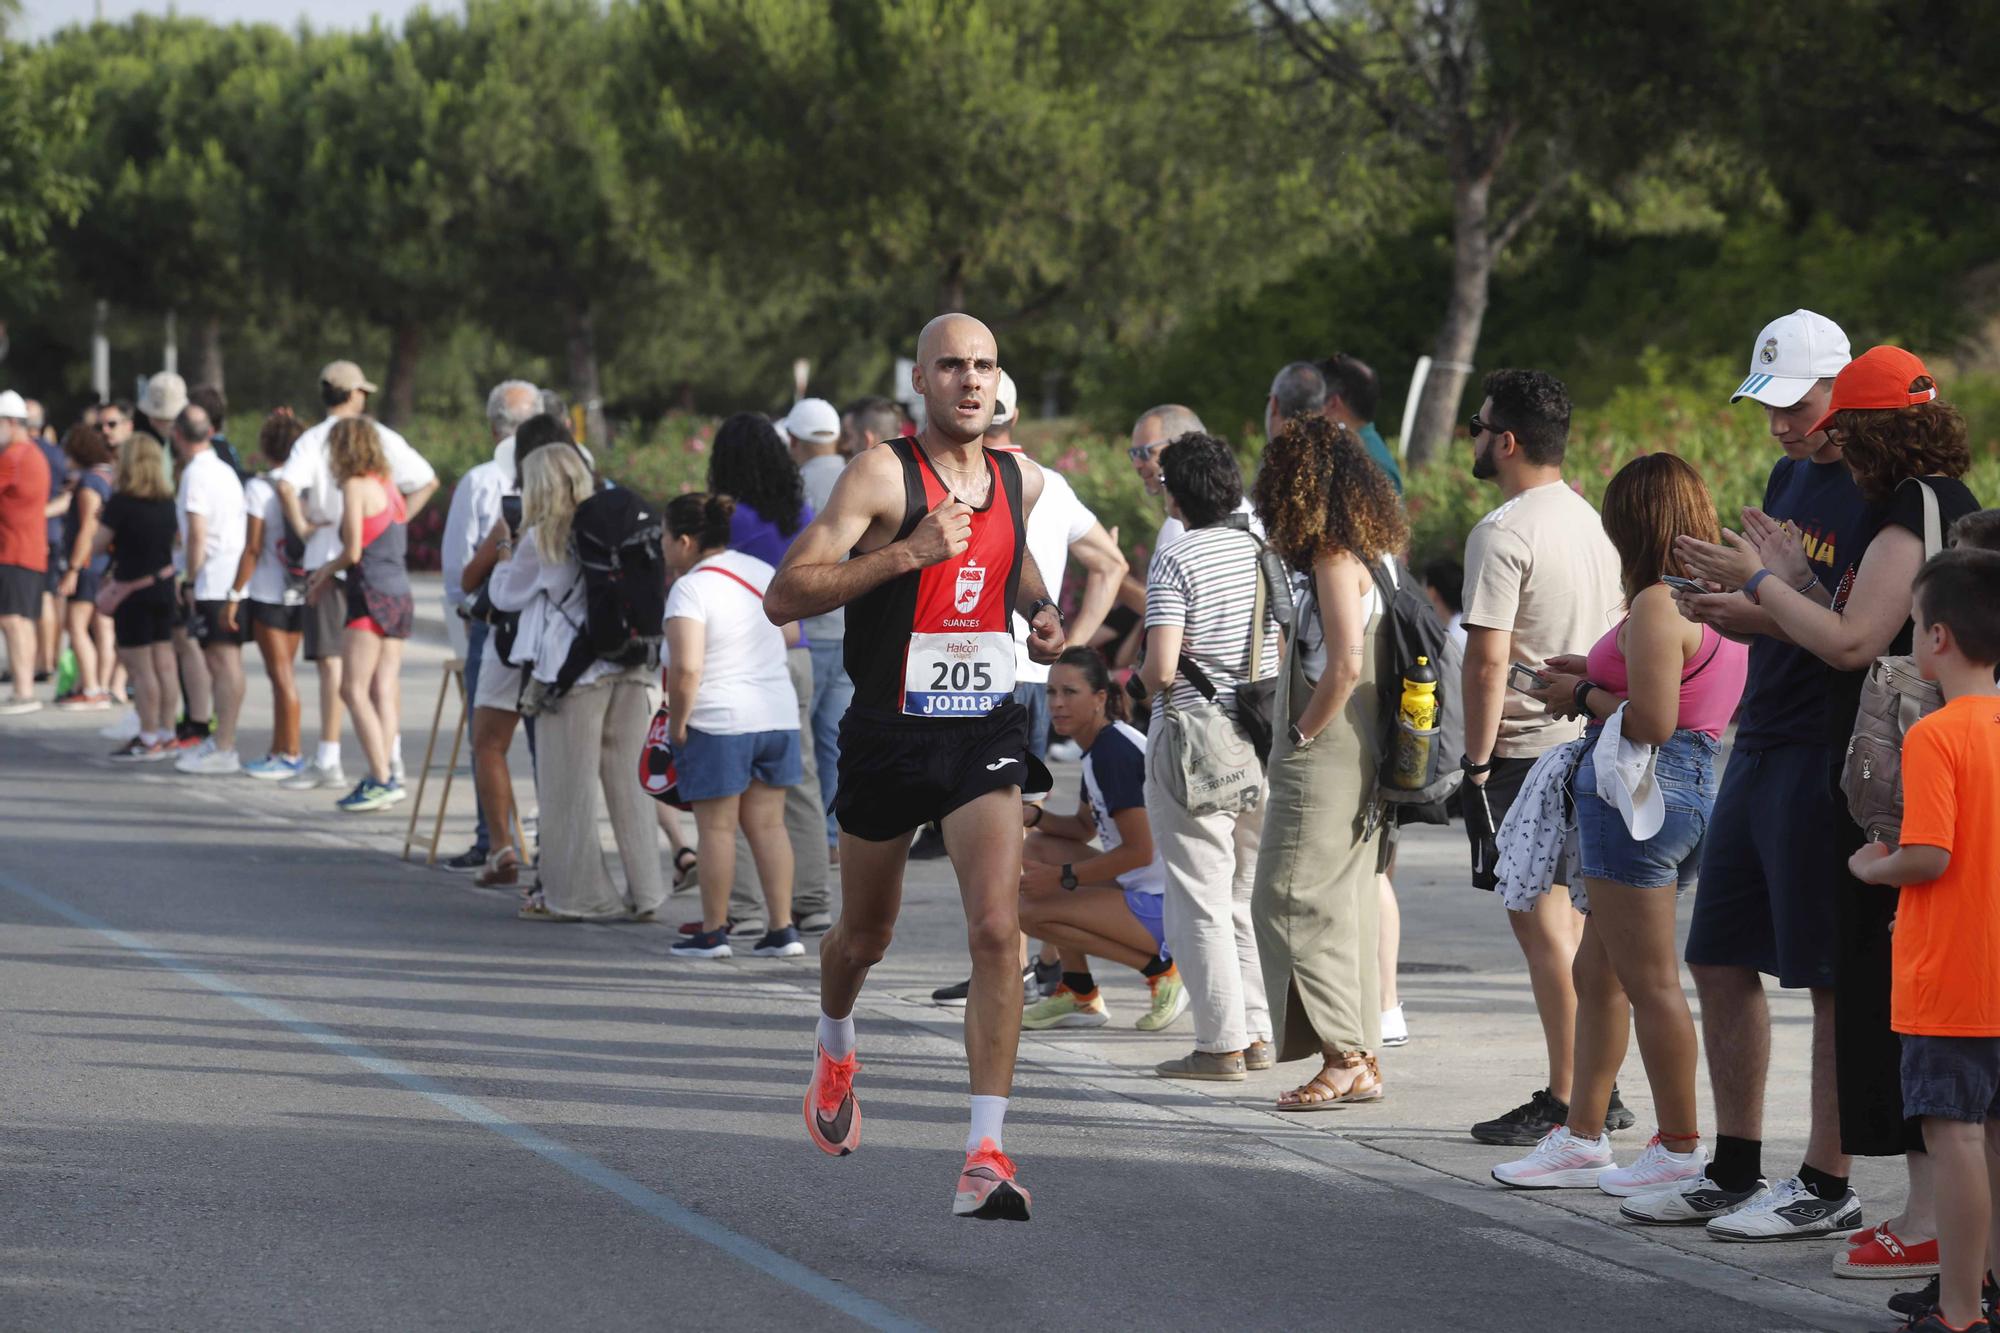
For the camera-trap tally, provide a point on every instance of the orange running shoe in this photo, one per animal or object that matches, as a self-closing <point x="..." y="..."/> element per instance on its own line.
<point x="833" y="1117"/>
<point x="987" y="1189"/>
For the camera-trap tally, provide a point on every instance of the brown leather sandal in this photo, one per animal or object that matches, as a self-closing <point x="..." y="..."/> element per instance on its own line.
<point x="1321" y="1093"/>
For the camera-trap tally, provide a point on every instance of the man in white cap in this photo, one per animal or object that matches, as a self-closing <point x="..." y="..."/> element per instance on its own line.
<point x="813" y="426"/>
<point x="1767" y="866"/>
<point x="161" y="403"/>
<point x="24" y="548"/>
<point x="312" y="506"/>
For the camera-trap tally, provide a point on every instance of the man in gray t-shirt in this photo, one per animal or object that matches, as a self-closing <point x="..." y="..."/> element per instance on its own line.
<point x="1541" y="579"/>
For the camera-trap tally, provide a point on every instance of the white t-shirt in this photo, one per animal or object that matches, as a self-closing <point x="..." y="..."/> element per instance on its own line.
<point x="209" y="487"/>
<point x="819" y="473"/>
<point x="745" y="683"/>
<point x="267" y="580"/>
<point x="1057" y="519"/>
<point x="311" y="475"/>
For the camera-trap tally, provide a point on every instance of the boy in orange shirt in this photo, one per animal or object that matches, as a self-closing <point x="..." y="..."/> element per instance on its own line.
<point x="1946" y="1002"/>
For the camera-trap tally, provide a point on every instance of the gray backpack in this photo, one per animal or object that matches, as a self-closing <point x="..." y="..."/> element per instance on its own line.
<point x="1894" y="696"/>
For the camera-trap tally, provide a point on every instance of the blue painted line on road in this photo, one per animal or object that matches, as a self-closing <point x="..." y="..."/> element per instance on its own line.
<point x="584" y="1167"/>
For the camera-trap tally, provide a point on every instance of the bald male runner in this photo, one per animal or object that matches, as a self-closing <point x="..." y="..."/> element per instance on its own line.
<point x="934" y="531"/>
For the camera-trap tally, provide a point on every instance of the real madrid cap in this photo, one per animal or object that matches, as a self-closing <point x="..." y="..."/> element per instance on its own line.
<point x="1793" y="353"/>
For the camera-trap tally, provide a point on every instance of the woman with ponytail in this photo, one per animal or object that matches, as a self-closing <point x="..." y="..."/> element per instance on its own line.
<point x="1101" y="901"/>
<point x="735" y="722"/>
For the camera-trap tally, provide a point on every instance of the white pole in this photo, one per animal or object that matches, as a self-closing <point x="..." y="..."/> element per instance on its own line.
<point x="100" y="352"/>
<point x="1416" y="395"/>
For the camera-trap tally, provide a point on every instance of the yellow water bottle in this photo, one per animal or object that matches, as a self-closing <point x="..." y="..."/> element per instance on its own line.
<point x="1416" y="726"/>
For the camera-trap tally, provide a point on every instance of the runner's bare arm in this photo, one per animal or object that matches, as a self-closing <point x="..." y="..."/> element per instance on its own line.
<point x="868" y="498"/>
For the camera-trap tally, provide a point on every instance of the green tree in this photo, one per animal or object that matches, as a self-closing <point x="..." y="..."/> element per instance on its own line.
<point x="42" y="194"/>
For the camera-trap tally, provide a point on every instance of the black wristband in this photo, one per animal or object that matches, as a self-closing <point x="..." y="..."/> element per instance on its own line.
<point x="1135" y="689"/>
<point x="1035" y="609"/>
<point x="1581" y="698"/>
<point x="1472" y="770"/>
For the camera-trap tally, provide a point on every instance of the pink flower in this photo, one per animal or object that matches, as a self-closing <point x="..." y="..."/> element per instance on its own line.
<point x="696" y="444"/>
<point x="1073" y="460"/>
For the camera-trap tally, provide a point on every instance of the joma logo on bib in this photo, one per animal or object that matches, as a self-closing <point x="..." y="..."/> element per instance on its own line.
<point x="971" y="583"/>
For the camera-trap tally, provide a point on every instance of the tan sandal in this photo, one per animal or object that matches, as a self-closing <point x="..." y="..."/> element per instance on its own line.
<point x="1321" y="1093"/>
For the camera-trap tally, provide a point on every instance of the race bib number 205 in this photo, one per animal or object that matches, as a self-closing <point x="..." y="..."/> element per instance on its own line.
<point x="958" y="675"/>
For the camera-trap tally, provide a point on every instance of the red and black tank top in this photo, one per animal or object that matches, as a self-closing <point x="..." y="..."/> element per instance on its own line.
<point x="939" y="642"/>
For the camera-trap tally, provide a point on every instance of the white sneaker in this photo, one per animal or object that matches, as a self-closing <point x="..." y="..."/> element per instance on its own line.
<point x="314" y="776"/>
<point x="1561" y="1161"/>
<point x="1788" y="1211"/>
<point x="209" y="759"/>
<point x="17" y="707"/>
<point x="1395" y="1028"/>
<point x="1657" y="1169"/>
<point x="123" y="729"/>
<point x="1692" y="1201"/>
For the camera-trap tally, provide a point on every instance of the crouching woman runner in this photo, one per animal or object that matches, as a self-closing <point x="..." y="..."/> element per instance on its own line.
<point x="1086" y="902"/>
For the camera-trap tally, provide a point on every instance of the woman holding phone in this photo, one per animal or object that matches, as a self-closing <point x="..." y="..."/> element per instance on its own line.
<point x="1672" y="685"/>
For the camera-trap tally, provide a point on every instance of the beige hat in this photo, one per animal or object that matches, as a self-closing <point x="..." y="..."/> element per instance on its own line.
<point x="345" y="375"/>
<point x="166" y="396"/>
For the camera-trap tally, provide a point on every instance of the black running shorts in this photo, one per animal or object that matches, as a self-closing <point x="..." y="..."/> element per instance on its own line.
<point x="899" y="773"/>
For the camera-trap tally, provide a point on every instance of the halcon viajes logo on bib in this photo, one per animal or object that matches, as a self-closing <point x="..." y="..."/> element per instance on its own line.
<point x="971" y="582"/>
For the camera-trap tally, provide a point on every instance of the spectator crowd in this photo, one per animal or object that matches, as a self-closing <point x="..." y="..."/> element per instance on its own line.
<point x="1568" y="691"/>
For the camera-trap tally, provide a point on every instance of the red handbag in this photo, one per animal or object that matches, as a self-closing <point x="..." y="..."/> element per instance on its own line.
<point x="657" y="773"/>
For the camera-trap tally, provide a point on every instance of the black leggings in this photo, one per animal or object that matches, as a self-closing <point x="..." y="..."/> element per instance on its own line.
<point x="1868" y="1054"/>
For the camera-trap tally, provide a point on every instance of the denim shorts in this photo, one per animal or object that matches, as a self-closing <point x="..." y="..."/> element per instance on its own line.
<point x="713" y="766"/>
<point x="1685" y="771"/>
<point x="1951" y="1078"/>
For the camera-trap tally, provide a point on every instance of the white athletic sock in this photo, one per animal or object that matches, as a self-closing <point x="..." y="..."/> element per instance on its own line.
<point x="987" y="1115"/>
<point x="837" y="1036"/>
<point x="396" y="749"/>
<point x="329" y="754"/>
<point x="152" y="737"/>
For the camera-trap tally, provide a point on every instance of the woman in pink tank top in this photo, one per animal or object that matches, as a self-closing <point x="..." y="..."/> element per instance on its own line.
<point x="1678" y="683"/>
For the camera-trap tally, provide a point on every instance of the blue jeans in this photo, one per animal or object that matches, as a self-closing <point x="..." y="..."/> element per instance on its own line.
<point x="475" y="645"/>
<point x="1685" y="771"/>
<point x="1034" y="696"/>
<point x="832" y="693"/>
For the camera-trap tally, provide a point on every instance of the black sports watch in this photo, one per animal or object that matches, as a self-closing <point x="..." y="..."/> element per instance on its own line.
<point x="1035" y="609"/>
<point x="1069" y="877"/>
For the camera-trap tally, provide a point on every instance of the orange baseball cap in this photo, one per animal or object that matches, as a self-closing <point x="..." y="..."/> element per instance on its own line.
<point x="1879" y="378"/>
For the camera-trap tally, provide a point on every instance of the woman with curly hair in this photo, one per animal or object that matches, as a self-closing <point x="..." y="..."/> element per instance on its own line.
<point x="1330" y="512"/>
<point x="1907" y="450"/>
<point x="751" y="465"/>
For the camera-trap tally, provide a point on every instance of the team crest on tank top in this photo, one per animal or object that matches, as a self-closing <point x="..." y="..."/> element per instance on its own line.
<point x="960" y="660"/>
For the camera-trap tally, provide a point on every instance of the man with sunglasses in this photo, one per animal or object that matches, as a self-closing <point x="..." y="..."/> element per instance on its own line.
<point x="1541" y="580"/>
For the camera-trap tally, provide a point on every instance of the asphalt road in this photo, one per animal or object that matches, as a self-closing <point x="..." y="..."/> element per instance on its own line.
<point x="257" y="1072"/>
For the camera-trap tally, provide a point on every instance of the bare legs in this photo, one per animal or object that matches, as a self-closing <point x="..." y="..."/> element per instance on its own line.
<point x="1736" y="1025"/>
<point x="1548" y="937"/>
<point x="368" y="659"/>
<point x="1627" y="956"/>
<point x="156" y="691"/>
<point x="278" y="650"/>
<point x="225" y="672"/>
<point x="194" y="676"/>
<point x="76" y="617"/>
<point x="19" y="632"/>
<point x="330" y="696"/>
<point x="760" y="811"/>
<point x="1091" y="922"/>
<point x="1389" y="944"/>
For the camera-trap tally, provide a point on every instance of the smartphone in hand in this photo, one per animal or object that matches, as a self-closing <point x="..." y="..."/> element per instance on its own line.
<point x="510" y="509"/>
<point x="1679" y="584"/>
<point x="1525" y="679"/>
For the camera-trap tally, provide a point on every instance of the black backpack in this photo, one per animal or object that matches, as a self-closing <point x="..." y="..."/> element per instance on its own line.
<point x="619" y="542"/>
<point x="1411" y="629"/>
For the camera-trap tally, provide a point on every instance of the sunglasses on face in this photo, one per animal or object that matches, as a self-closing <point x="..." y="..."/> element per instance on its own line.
<point x="1476" y="428"/>
<point x="1139" y="453"/>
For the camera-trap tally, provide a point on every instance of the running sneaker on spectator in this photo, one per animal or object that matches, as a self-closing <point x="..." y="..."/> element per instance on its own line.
<point x="1917" y="1304"/>
<point x="987" y="1189"/>
<point x="833" y="1116"/>
<point x="1561" y="1161"/>
<point x="953" y="996"/>
<point x="1170" y="1001"/>
<point x="188" y="735"/>
<point x="703" y="944"/>
<point x="131" y="752"/>
<point x="1066" y="1009"/>
<point x="316" y="775"/>
<point x="1881" y="1253"/>
<point x="275" y="767"/>
<point x="85" y="702"/>
<point x="469" y="861"/>
<point x="815" y="923"/>
<point x="737" y="929"/>
<point x="1395" y="1028"/>
<point x="1657" y="1168"/>
<point x="1694" y="1200"/>
<point x="1524" y="1126"/>
<point x="17" y="707"/>
<point x="368" y="794"/>
<point x="1933" y="1322"/>
<point x="208" y="759"/>
<point x="1788" y="1211"/>
<point x="780" y="944"/>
